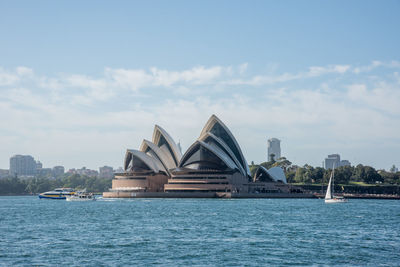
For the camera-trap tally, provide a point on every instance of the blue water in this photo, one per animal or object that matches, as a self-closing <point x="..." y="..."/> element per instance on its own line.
<point x="199" y="232"/>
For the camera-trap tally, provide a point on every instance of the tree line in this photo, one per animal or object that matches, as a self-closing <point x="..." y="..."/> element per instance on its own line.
<point x="343" y="175"/>
<point x="294" y="174"/>
<point x="14" y="185"/>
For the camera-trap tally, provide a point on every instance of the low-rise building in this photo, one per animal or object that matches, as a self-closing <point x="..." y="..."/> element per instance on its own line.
<point x="44" y="172"/>
<point x="84" y="171"/>
<point x="333" y="160"/>
<point x="4" y="173"/>
<point x="106" y="172"/>
<point x="58" y="171"/>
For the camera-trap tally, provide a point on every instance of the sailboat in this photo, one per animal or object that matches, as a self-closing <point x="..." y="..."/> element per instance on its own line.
<point x="329" y="197"/>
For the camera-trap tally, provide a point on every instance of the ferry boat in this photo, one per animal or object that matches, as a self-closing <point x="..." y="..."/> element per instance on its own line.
<point x="58" y="193"/>
<point x="81" y="196"/>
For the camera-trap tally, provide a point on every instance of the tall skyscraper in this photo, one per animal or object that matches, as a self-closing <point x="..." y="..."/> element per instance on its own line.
<point x="22" y="165"/>
<point x="274" y="147"/>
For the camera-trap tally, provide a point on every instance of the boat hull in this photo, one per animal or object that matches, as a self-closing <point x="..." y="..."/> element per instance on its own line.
<point x="80" y="199"/>
<point x="336" y="200"/>
<point x="58" y="193"/>
<point x="52" y="197"/>
<point x="81" y="196"/>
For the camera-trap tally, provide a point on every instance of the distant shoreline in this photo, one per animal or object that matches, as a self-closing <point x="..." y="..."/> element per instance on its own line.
<point x="365" y="196"/>
<point x="17" y="195"/>
<point x="247" y="196"/>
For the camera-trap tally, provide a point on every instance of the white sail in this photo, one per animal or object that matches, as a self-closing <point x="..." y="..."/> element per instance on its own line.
<point x="329" y="189"/>
<point x="329" y="197"/>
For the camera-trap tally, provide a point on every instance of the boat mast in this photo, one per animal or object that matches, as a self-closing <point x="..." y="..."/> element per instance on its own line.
<point x="333" y="180"/>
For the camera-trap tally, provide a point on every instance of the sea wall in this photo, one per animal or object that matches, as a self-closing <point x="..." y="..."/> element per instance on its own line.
<point x="122" y="194"/>
<point x="357" y="189"/>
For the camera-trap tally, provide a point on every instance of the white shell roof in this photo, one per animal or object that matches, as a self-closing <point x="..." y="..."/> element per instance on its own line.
<point x="213" y="149"/>
<point x="225" y="149"/>
<point x="175" y="151"/>
<point x="239" y="155"/>
<point x="162" y="155"/>
<point x="277" y="173"/>
<point x="154" y="164"/>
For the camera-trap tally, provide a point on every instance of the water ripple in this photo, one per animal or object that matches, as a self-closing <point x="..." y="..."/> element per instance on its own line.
<point x="199" y="232"/>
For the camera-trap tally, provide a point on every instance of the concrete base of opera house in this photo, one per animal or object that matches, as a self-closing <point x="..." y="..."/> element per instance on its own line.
<point x="127" y="194"/>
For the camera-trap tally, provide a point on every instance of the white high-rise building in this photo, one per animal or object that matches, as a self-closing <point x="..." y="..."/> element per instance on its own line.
<point x="274" y="147"/>
<point x="22" y="165"/>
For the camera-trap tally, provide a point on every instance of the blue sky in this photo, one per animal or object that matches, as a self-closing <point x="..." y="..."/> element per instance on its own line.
<point x="81" y="81"/>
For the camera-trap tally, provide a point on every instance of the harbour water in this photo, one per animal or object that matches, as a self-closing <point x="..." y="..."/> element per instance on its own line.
<point x="199" y="232"/>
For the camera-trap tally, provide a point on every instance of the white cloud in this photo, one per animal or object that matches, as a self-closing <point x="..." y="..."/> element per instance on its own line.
<point x="243" y="68"/>
<point x="7" y="78"/>
<point x="182" y="90"/>
<point x="382" y="96"/>
<point x="374" y="64"/>
<point x="318" y="71"/>
<point x="129" y="79"/>
<point x="197" y="75"/>
<point x="314" y="71"/>
<point x="137" y="78"/>
<point x="98" y="114"/>
<point x="24" y="71"/>
<point x="83" y="81"/>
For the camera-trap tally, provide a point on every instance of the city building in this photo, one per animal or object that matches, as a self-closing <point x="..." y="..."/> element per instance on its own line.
<point x="44" y="172"/>
<point x="58" y="171"/>
<point x="394" y="169"/>
<point x="213" y="166"/>
<point x="345" y="163"/>
<point x="4" y="173"/>
<point x="106" y="172"/>
<point x="39" y="165"/>
<point x="119" y="170"/>
<point x="24" y="165"/>
<point x="274" y="148"/>
<point x="84" y="171"/>
<point x="333" y="160"/>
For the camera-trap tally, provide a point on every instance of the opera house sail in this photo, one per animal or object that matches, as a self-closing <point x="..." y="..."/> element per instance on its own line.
<point x="218" y="128"/>
<point x="213" y="166"/>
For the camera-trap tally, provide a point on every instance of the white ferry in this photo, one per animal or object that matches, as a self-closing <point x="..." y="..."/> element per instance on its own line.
<point x="58" y="193"/>
<point x="81" y="196"/>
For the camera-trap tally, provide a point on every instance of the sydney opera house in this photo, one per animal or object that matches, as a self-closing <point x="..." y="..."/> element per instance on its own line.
<point x="213" y="166"/>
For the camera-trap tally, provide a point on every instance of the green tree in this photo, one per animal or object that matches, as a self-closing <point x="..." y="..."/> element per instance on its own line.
<point x="253" y="168"/>
<point x="290" y="176"/>
<point x="272" y="156"/>
<point x="298" y="178"/>
<point x="308" y="174"/>
<point x="371" y="175"/>
<point x="358" y="173"/>
<point x="283" y="163"/>
<point x="343" y="174"/>
<point x="267" y="165"/>
<point x="393" y="169"/>
<point x="318" y="174"/>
